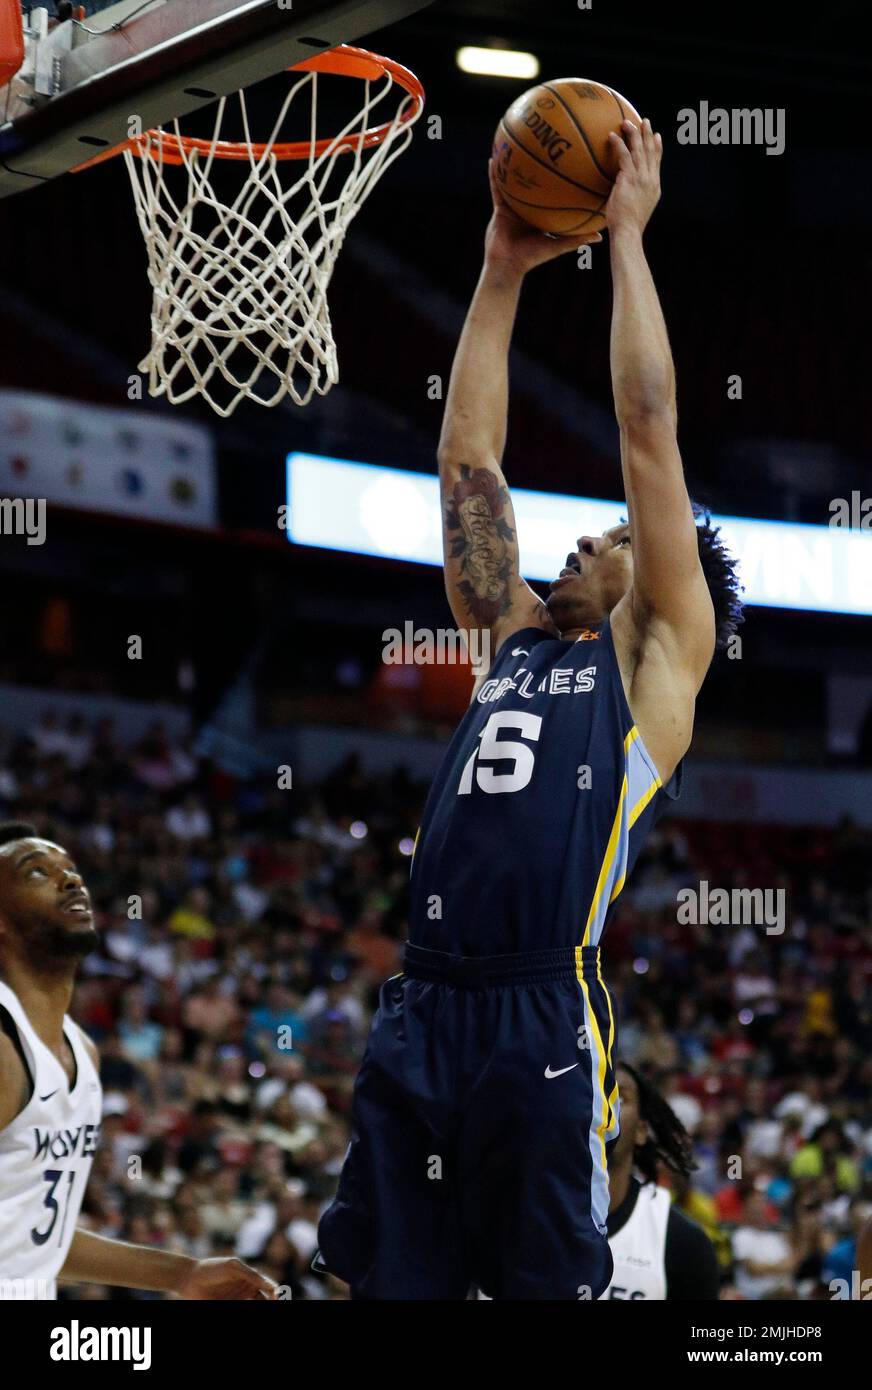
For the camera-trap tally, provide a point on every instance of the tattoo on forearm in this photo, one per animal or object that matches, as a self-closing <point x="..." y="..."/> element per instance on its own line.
<point x="480" y="538"/>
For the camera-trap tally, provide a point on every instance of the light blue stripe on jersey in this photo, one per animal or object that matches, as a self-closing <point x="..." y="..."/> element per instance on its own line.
<point x="639" y="786"/>
<point x="597" y="1131"/>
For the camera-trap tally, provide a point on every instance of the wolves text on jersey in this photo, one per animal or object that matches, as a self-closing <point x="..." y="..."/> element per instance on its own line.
<point x="81" y="1142"/>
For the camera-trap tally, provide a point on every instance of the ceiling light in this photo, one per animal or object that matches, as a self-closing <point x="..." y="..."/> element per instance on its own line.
<point x="498" y="62"/>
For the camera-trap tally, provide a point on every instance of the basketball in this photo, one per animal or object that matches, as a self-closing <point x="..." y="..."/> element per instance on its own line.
<point x="554" y="163"/>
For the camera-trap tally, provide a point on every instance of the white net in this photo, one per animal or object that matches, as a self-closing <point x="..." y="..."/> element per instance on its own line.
<point x="239" y="278"/>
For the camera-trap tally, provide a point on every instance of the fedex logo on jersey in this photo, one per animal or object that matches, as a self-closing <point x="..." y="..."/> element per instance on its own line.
<point x="559" y="681"/>
<point x="66" y="1143"/>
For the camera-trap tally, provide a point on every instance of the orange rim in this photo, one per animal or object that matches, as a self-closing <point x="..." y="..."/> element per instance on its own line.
<point x="343" y="61"/>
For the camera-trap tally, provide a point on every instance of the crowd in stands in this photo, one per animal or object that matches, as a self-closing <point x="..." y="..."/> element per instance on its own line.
<point x="245" y="930"/>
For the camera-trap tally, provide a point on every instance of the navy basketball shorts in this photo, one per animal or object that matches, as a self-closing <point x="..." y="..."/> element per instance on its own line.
<point x="480" y="1121"/>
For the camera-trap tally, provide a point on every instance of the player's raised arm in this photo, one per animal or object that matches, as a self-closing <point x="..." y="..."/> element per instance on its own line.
<point x="669" y="596"/>
<point x="482" y="578"/>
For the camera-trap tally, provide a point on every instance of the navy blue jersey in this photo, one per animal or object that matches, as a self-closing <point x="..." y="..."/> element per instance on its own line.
<point x="541" y="804"/>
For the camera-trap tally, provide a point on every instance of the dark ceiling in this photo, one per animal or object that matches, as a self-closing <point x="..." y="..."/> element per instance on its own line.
<point x="810" y="45"/>
<point x="763" y="263"/>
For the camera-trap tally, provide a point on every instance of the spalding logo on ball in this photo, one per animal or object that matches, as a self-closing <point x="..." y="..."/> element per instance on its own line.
<point x="554" y="163"/>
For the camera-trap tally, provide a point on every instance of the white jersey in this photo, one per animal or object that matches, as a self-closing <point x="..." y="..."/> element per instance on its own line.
<point x="639" y="1248"/>
<point x="45" y="1159"/>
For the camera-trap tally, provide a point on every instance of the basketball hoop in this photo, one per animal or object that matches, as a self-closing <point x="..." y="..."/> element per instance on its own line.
<point x="239" y="286"/>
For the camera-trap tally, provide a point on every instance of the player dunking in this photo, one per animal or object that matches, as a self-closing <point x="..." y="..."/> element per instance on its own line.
<point x="487" y="1096"/>
<point x="50" y="1099"/>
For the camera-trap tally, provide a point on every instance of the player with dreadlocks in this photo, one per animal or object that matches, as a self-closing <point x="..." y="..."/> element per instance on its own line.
<point x="658" y="1252"/>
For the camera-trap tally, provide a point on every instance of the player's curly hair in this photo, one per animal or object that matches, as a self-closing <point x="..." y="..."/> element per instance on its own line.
<point x="719" y="568"/>
<point x="668" y="1141"/>
<point x="16" y="830"/>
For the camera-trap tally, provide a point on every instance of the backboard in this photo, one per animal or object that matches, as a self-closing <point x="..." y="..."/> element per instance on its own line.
<point x="84" y="78"/>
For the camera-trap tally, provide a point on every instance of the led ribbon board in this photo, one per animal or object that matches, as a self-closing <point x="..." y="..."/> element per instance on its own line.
<point x="365" y="509"/>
